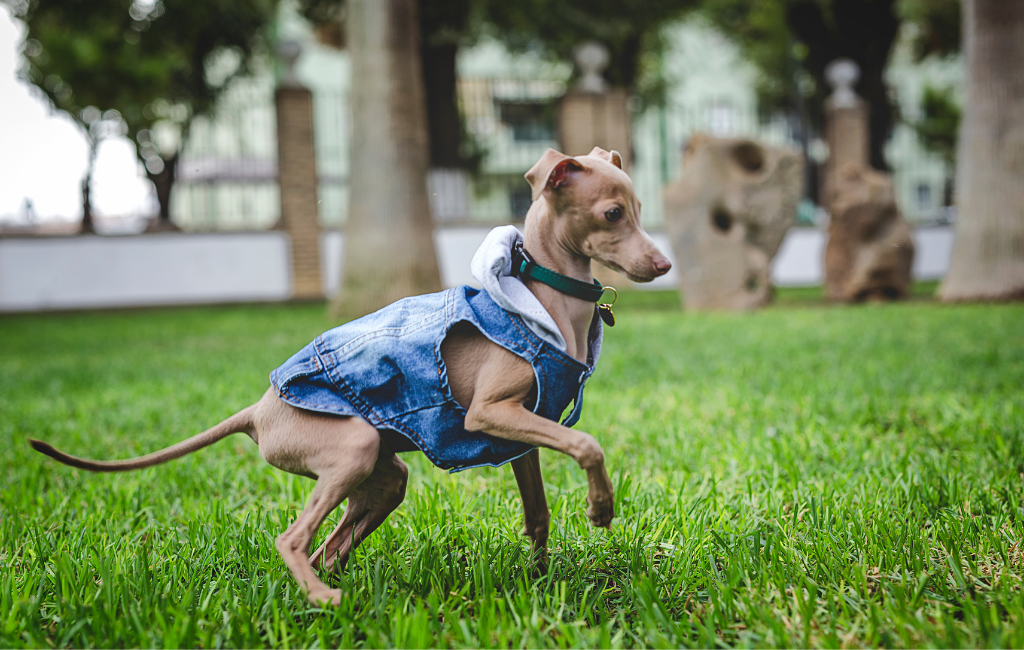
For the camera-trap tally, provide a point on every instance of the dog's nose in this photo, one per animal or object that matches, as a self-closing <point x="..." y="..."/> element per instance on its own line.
<point x="661" y="264"/>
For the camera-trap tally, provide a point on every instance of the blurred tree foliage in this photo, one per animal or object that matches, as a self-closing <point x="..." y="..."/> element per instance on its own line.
<point x="789" y="41"/>
<point x="630" y="29"/>
<point x="936" y="32"/>
<point x="937" y="127"/>
<point x="143" y="68"/>
<point x="939" y="122"/>
<point x="936" y="26"/>
<point x="792" y="41"/>
<point x="444" y="27"/>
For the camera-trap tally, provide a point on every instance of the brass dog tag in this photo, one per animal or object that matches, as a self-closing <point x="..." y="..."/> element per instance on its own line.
<point x="605" y="309"/>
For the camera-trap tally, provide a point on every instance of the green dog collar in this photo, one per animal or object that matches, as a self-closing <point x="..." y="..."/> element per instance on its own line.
<point x="523" y="266"/>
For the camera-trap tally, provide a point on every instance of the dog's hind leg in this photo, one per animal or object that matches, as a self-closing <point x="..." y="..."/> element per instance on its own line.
<point x="339" y="452"/>
<point x="368" y="506"/>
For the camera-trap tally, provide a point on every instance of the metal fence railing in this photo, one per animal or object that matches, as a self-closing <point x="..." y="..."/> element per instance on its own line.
<point x="227" y="177"/>
<point x="512" y="122"/>
<point x="228" y="173"/>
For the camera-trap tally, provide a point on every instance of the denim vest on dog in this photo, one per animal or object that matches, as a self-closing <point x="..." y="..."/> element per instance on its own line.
<point x="387" y="369"/>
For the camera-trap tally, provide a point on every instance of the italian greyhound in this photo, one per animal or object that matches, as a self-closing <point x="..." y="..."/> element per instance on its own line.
<point x="584" y="208"/>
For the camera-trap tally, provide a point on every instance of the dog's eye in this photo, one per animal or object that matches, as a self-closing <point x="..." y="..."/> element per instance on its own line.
<point x="613" y="215"/>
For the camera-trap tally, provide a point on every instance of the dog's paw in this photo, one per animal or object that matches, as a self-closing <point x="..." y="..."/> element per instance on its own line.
<point x="538" y="570"/>
<point x="539" y="562"/>
<point x="325" y="597"/>
<point x="600" y="511"/>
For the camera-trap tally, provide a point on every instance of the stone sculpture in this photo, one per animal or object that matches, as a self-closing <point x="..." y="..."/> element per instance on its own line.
<point x="727" y="215"/>
<point x="870" y="251"/>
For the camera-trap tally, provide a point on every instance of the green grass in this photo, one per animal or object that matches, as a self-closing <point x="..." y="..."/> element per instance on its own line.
<point x="800" y="476"/>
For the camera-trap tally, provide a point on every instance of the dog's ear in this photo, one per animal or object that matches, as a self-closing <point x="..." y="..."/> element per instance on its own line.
<point x="551" y="171"/>
<point x="611" y="156"/>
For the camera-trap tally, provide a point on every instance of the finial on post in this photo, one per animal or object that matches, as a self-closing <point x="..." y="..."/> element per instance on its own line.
<point x="591" y="60"/>
<point x="842" y="74"/>
<point x="289" y="52"/>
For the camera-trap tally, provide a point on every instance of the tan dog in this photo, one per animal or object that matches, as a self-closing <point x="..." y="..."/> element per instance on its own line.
<point x="584" y="208"/>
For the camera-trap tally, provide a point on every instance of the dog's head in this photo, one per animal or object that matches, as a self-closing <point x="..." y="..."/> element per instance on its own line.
<point x="594" y="212"/>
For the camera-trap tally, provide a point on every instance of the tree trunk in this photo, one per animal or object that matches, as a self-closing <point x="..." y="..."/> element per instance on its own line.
<point x="880" y="119"/>
<point x="389" y="247"/>
<point x="988" y="251"/>
<point x="88" y="226"/>
<point x="443" y="24"/>
<point x="164" y="182"/>
<point x="443" y="120"/>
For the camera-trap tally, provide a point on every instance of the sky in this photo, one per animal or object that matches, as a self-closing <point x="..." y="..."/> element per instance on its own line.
<point x="43" y="153"/>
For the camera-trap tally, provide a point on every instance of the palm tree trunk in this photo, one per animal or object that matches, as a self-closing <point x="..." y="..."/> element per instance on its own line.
<point x="988" y="251"/>
<point x="389" y="244"/>
<point x="88" y="225"/>
<point x="164" y="183"/>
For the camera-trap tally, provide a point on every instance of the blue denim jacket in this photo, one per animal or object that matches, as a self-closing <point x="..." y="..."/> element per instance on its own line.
<point x="387" y="369"/>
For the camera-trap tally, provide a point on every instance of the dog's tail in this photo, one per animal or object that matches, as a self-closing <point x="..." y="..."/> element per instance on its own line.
<point x="240" y="422"/>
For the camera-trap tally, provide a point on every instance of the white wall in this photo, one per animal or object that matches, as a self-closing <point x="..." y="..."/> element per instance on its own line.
<point x="799" y="262"/>
<point x="160" y="269"/>
<point x="933" y="248"/>
<point x="163" y="269"/>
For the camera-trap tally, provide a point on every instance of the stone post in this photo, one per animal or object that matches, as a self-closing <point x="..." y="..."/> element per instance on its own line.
<point x="592" y="114"/>
<point x="846" y="123"/>
<point x="297" y="177"/>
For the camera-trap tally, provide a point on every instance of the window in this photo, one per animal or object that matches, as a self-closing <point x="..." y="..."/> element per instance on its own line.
<point x="924" y="195"/>
<point x="721" y="119"/>
<point x="529" y="121"/>
<point x="520" y="198"/>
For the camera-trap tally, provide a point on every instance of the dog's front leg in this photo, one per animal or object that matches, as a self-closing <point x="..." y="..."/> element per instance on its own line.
<point x="494" y="385"/>
<point x="503" y="386"/>
<point x="536" y="515"/>
<point x="509" y="419"/>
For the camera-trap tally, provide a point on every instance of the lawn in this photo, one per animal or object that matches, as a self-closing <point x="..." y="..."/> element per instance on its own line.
<point x="800" y="476"/>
